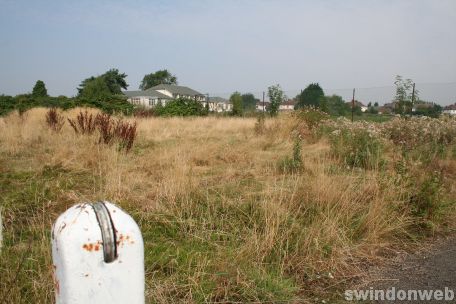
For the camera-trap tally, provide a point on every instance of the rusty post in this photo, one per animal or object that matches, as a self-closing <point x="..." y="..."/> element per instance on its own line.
<point x="98" y="256"/>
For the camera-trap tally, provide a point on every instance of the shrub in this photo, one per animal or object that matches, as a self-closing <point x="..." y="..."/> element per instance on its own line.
<point x="109" y="129"/>
<point x="181" y="107"/>
<point x="54" y="120"/>
<point x="427" y="197"/>
<point x="7" y="104"/>
<point x="85" y="123"/>
<point x="116" y="130"/>
<point x="357" y="148"/>
<point x="292" y="164"/>
<point x="312" y="117"/>
<point x="260" y="125"/>
<point x="125" y="132"/>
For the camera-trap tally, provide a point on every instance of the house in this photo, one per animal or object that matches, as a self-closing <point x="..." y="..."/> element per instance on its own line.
<point x="390" y="105"/>
<point x="422" y="106"/>
<point x="358" y="104"/>
<point x="147" y="98"/>
<point x="384" y="110"/>
<point x="162" y="93"/>
<point x="219" y="104"/>
<point x="175" y="91"/>
<point x="287" y="105"/>
<point x="450" y="110"/>
<point x="262" y="106"/>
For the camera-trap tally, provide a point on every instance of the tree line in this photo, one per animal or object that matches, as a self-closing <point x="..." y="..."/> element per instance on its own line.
<point x="102" y="91"/>
<point x="105" y="92"/>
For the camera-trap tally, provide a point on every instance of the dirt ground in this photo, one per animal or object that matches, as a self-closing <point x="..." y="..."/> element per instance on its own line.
<point x="432" y="268"/>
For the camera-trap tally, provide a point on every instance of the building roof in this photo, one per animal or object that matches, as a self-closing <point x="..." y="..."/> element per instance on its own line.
<point x="218" y="100"/>
<point x="175" y="89"/>
<point x="357" y="104"/>
<point x="146" y="93"/>
<point x="450" y="107"/>
<point x="390" y="105"/>
<point x="289" y="102"/>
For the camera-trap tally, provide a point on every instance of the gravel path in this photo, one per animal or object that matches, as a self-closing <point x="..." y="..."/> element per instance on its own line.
<point x="430" y="269"/>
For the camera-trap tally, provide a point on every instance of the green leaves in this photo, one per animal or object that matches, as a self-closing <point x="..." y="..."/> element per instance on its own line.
<point x="276" y="96"/>
<point x="104" y="86"/>
<point x="39" y="90"/>
<point x="236" y="100"/>
<point x="311" y="96"/>
<point x="159" y="77"/>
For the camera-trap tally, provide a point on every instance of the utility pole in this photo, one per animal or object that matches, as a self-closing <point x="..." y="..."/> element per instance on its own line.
<point x="263" y="102"/>
<point x="413" y="97"/>
<point x="353" y="103"/>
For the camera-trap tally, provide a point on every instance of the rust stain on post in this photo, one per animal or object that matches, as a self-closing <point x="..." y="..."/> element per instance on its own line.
<point x="92" y="246"/>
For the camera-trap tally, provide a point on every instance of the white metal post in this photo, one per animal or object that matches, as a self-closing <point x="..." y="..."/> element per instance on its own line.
<point x="98" y="256"/>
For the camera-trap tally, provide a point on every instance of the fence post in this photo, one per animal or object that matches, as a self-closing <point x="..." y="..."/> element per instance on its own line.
<point x="98" y="256"/>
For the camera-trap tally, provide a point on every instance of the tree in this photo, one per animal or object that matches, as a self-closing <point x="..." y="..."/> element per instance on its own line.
<point x="39" y="90"/>
<point x="423" y="108"/>
<point x="334" y="105"/>
<point x="403" y="98"/>
<point x="249" y="102"/>
<point x="114" y="80"/>
<point x="311" y="96"/>
<point x="96" y="89"/>
<point x="7" y="104"/>
<point x="159" y="77"/>
<point x="236" y="100"/>
<point x="276" y="96"/>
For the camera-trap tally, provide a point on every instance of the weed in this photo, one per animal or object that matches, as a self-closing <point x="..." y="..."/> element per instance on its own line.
<point x="54" y="120"/>
<point x="357" y="148"/>
<point x="109" y="129"/>
<point x="85" y="123"/>
<point x="292" y="164"/>
<point x="260" y="124"/>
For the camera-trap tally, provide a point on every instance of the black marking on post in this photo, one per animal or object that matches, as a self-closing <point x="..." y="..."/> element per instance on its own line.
<point x="108" y="232"/>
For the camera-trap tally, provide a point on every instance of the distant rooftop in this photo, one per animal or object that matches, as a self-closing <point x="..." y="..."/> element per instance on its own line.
<point x="175" y="89"/>
<point x="450" y="107"/>
<point x="146" y="93"/>
<point x="218" y="100"/>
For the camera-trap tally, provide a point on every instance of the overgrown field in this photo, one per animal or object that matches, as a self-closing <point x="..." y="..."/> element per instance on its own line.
<point x="286" y="210"/>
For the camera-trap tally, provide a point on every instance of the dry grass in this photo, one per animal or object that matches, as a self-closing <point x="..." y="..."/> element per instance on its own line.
<point x="221" y="223"/>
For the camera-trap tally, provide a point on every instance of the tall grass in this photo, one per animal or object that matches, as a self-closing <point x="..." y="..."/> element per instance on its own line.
<point x="220" y="222"/>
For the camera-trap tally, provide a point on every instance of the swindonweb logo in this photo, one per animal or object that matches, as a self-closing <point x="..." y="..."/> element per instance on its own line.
<point x="393" y="294"/>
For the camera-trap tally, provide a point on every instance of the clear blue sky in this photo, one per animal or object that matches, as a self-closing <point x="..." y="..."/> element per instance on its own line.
<point x="223" y="46"/>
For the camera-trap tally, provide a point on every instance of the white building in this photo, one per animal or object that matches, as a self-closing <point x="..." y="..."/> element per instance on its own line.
<point x="450" y="110"/>
<point x="359" y="104"/>
<point x="175" y="91"/>
<point x="219" y="105"/>
<point x="162" y="94"/>
<point x="148" y="98"/>
<point x="287" y="105"/>
<point x="262" y="106"/>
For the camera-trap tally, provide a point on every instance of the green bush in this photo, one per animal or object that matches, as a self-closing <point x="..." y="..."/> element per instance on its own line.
<point x="426" y="200"/>
<point x="292" y="164"/>
<point x="181" y="107"/>
<point x="6" y="104"/>
<point x="357" y="148"/>
<point x="24" y="102"/>
<point x="312" y="117"/>
<point x="260" y="124"/>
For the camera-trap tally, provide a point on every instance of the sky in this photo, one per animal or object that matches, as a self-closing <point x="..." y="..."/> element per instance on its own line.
<point x="219" y="47"/>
